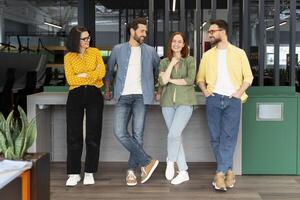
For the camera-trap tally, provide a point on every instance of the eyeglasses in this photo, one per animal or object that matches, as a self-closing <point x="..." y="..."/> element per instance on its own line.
<point x="86" y="39"/>
<point x="213" y="31"/>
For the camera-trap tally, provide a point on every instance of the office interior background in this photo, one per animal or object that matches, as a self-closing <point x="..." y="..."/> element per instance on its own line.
<point x="32" y="46"/>
<point x="266" y="30"/>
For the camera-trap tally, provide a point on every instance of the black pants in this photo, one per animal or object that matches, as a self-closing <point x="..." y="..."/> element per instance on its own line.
<point x="91" y="99"/>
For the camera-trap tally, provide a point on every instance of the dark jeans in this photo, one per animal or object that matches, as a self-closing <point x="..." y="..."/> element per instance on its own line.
<point x="223" y="116"/>
<point x="131" y="106"/>
<point x="89" y="98"/>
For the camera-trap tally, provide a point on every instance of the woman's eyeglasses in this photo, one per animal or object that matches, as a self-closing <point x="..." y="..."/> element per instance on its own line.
<point x="86" y="39"/>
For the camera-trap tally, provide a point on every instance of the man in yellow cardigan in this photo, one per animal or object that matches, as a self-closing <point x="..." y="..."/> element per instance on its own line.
<point x="223" y="77"/>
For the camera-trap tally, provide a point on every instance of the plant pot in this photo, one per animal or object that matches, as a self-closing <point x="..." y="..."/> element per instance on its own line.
<point x="13" y="190"/>
<point x="39" y="175"/>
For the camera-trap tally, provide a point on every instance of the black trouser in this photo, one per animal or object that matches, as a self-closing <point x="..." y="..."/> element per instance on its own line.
<point x="91" y="99"/>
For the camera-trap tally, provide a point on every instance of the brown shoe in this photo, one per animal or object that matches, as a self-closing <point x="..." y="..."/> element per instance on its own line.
<point x="219" y="182"/>
<point x="130" y="178"/>
<point x="148" y="170"/>
<point x="230" y="179"/>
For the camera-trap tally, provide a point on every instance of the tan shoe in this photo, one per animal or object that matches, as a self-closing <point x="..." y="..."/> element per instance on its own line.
<point x="131" y="178"/>
<point x="148" y="170"/>
<point x="219" y="182"/>
<point x="230" y="179"/>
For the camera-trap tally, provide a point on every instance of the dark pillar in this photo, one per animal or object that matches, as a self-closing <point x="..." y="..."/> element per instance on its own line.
<point x="182" y="17"/>
<point x="261" y="41"/>
<point x="276" y="41"/>
<point x="213" y="9"/>
<point x="245" y="33"/>
<point x="120" y="25"/>
<point x="198" y="32"/>
<point x="150" y="23"/>
<point x="292" y="61"/>
<point x="86" y="17"/>
<point x="166" y="26"/>
<point x="229" y="19"/>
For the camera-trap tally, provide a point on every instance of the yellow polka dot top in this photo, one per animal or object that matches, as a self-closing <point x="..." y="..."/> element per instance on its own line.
<point x="90" y="63"/>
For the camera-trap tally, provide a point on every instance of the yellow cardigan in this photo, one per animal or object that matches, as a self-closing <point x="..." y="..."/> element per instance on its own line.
<point x="91" y="63"/>
<point x="238" y="68"/>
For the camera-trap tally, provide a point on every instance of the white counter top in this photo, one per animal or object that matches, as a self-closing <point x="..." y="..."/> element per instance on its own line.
<point x="60" y="98"/>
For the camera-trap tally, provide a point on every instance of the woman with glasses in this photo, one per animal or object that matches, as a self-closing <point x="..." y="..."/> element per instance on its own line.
<point x="84" y="69"/>
<point x="176" y="78"/>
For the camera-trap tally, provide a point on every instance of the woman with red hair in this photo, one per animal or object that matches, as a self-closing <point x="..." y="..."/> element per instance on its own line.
<point x="176" y="79"/>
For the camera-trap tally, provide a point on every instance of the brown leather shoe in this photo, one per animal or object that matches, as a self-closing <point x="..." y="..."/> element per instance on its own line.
<point x="148" y="170"/>
<point x="230" y="179"/>
<point x="219" y="182"/>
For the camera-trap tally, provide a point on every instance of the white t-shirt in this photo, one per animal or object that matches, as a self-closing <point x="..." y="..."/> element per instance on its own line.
<point x="133" y="84"/>
<point x="223" y="83"/>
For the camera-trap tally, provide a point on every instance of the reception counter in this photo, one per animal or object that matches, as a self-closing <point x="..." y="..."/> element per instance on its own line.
<point x="49" y="110"/>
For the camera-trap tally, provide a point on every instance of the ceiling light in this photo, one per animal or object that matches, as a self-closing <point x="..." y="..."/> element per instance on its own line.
<point x="281" y="24"/>
<point x="53" y="25"/>
<point x="204" y="23"/>
<point x="174" y="6"/>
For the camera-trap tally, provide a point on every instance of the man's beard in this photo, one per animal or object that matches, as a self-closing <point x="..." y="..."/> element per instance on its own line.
<point x="215" y="41"/>
<point x="138" y="39"/>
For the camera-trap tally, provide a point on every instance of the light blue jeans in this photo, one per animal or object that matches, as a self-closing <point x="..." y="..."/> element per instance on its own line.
<point x="176" y="119"/>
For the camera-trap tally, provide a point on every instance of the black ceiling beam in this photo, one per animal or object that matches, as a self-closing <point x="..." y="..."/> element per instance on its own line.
<point x="159" y="4"/>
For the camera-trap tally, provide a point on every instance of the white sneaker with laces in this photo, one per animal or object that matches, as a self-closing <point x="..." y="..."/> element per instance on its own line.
<point x="73" y="179"/>
<point x="88" y="179"/>
<point x="180" y="178"/>
<point x="170" y="170"/>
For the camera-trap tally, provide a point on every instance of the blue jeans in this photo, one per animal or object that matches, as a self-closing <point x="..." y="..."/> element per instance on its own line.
<point x="223" y="116"/>
<point x="131" y="106"/>
<point x="176" y="119"/>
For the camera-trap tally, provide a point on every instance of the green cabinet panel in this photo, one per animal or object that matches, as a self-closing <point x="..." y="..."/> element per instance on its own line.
<point x="298" y="138"/>
<point x="270" y="147"/>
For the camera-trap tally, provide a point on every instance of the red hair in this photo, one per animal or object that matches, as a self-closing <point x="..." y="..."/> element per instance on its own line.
<point x="184" y="50"/>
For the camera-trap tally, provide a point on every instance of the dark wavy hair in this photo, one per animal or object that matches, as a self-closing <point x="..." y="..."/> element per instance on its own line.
<point x="184" y="50"/>
<point x="135" y="23"/>
<point x="73" y="40"/>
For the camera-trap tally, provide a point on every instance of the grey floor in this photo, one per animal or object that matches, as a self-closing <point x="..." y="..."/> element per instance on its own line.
<point x="110" y="184"/>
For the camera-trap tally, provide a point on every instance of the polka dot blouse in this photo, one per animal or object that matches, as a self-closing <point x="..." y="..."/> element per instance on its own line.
<point x="91" y="63"/>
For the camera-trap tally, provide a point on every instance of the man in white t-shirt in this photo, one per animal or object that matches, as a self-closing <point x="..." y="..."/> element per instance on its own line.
<point x="133" y="90"/>
<point x="223" y="77"/>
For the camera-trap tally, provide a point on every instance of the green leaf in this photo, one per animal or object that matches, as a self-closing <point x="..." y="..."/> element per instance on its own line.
<point x="31" y="134"/>
<point x="2" y="122"/>
<point x="21" y="140"/>
<point x="3" y="146"/>
<point x="23" y="118"/>
<point x="14" y="128"/>
<point x="20" y="143"/>
<point x="7" y="130"/>
<point x="9" y="154"/>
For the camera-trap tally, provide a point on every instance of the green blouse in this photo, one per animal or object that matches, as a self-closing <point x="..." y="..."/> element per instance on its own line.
<point x="172" y="94"/>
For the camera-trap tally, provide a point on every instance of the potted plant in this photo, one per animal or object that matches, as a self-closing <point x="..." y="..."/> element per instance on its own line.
<point x="17" y="134"/>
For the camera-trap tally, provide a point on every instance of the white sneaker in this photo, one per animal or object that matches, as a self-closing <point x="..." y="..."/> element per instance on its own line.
<point x="170" y="170"/>
<point x="88" y="179"/>
<point x="73" y="179"/>
<point x="180" y="178"/>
